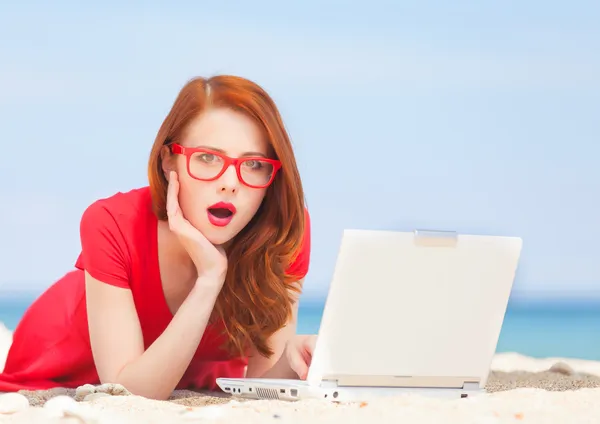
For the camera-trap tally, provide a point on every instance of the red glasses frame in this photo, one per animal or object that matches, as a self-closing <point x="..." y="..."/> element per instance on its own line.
<point x="227" y="162"/>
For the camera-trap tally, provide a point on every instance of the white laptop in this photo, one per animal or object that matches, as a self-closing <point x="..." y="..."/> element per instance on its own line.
<point x="417" y="312"/>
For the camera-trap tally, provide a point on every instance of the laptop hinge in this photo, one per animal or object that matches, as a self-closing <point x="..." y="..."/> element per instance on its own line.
<point x="466" y="383"/>
<point x="435" y="238"/>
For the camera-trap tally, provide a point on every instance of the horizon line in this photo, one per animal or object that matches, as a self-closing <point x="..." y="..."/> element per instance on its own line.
<point x="312" y="296"/>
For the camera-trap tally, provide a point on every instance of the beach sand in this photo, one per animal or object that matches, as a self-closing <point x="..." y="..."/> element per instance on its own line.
<point x="520" y="389"/>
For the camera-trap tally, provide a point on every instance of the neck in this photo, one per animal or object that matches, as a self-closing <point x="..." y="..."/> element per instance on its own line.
<point x="174" y="252"/>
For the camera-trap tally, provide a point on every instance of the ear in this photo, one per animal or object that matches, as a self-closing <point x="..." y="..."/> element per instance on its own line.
<point x="166" y="161"/>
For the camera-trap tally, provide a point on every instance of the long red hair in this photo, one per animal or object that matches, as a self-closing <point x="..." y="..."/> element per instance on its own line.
<point x="257" y="296"/>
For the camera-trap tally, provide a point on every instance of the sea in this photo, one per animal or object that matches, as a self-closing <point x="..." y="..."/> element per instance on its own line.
<point x="569" y="329"/>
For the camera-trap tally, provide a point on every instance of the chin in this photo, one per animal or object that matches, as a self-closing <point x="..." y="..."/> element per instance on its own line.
<point x="219" y="234"/>
<point x="219" y="237"/>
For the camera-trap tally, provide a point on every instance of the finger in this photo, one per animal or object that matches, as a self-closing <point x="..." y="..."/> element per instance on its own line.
<point x="172" y="194"/>
<point x="177" y="222"/>
<point x="310" y="343"/>
<point x="174" y="215"/>
<point x="298" y="364"/>
<point x="307" y="357"/>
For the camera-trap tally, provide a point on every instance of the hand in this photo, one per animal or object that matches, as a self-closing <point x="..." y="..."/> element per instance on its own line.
<point x="210" y="260"/>
<point x="299" y="351"/>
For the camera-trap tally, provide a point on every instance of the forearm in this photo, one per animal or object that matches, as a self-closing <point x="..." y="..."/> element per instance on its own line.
<point x="277" y="366"/>
<point x="281" y="369"/>
<point x="156" y="373"/>
<point x="297" y="359"/>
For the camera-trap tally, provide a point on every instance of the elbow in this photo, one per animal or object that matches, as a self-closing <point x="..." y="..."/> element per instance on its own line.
<point x="122" y="387"/>
<point x="123" y="384"/>
<point x="148" y="393"/>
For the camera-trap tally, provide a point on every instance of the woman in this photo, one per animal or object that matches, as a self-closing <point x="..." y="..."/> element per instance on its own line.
<point x="192" y="278"/>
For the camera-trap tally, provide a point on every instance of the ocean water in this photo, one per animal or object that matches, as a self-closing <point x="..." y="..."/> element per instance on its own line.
<point x="535" y="329"/>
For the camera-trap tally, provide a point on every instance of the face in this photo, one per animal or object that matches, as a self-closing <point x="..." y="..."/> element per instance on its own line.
<point x="234" y="135"/>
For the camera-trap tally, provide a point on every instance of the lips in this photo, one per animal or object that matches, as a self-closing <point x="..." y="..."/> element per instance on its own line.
<point x="220" y="214"/>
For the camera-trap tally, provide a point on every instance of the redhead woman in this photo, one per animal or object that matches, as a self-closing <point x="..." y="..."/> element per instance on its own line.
<point x="196" y="276"/>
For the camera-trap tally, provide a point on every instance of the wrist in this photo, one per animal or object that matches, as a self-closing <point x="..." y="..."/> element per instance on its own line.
<point x="206" y="286"/>
<point x="282" y="368"/>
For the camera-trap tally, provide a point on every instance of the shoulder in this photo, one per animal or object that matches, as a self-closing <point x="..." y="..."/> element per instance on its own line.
<point x="307" y="231"/>
<point x="300" y="266"/>
<point x="116" y="216"/>
<point x="108" y="231"/>
<point x="119" y="206"/>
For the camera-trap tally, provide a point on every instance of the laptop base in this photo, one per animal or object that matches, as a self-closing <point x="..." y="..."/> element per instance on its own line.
<point x="294" y="390"/>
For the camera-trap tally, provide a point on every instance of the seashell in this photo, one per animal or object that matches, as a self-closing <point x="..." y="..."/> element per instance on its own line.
<point x="94" y="396"/>
<point x="562" y="368"/>
<point x="58" y="405"/>
<point x="67" y="407"/>
<point x="83" y="391"/>
<point x="13" y="402"/>
<point x="111" y="389"/>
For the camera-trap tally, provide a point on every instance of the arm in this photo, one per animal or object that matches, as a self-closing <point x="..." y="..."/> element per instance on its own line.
<point x="118" y="346"/>
<point x="116" y="337"/>
<point x="276" y="366"/>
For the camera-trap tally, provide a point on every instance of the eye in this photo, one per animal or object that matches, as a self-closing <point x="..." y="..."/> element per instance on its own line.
<point x="207" y="157"/>
<point x="253" y="164"/>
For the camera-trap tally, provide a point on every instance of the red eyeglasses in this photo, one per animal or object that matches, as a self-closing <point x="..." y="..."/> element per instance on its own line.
<point x="208" y="165"/>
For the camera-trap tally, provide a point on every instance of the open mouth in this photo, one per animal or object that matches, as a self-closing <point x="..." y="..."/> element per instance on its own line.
<point x="220" y="212"/>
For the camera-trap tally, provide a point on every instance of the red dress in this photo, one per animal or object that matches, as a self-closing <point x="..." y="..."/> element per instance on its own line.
<point x="51" y="344"/>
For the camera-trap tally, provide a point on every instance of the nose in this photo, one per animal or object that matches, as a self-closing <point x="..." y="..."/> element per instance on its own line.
<point x="229" y="180"/>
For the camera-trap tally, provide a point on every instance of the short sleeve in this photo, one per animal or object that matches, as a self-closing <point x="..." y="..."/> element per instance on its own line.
<point x="104" y="251"/>
<point x="300" y="266"/>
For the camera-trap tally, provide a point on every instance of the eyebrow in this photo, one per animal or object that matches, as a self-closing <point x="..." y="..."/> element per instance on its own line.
<point x="216" y="149"/>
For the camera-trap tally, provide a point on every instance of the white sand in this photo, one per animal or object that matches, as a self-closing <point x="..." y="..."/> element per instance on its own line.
<point x="518" y="405"/>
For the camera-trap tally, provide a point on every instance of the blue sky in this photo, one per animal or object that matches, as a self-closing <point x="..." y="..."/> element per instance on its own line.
<point x="476" y="117"/>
